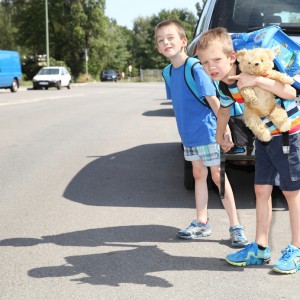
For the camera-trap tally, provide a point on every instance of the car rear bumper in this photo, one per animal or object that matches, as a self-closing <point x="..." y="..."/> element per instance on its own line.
<point x="45" y="84"/>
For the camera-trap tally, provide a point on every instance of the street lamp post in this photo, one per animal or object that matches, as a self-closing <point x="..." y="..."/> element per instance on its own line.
<point x="47" y="32"/>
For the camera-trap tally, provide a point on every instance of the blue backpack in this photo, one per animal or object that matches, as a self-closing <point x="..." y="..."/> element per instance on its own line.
<point x="287" y="52"/>
<point x="188" y="77"/>
<point x="190" y="82"/>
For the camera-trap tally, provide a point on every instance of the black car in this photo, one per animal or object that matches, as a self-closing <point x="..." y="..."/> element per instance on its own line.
<point x="109" y="75"/>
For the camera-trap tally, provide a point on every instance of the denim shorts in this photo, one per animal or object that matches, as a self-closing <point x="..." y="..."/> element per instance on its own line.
<point x="273" y="167"/>
<point x="208" y="154"/>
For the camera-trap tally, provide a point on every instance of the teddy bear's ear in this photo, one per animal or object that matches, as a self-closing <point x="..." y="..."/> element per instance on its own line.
<point x="270" y="54"/>
<point x="240" y="54"/>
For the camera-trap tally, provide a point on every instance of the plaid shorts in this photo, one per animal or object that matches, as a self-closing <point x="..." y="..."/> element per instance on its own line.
<point x="209" y="154"/>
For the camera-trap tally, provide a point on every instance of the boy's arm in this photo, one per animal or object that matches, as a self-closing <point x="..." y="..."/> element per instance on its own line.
<point x="214" y="103"/>
<point x="282" y="90"/>
<point x="223" y="135"/>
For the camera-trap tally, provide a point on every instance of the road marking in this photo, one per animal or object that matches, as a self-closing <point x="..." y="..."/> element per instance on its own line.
<point x="39" y="99"/>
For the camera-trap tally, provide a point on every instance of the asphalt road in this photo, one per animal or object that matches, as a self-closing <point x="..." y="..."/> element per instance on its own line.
<point x="92" y="195"/>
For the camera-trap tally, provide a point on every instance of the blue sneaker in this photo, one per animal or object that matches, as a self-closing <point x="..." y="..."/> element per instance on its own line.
<point x="237" y="236"/>
<point x="289" y="262"/>
<point x="195" y="231"/>
<point x="250" y="255"/>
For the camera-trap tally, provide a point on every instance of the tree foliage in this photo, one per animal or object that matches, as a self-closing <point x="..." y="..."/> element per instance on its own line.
<point x="144" y="42"/>
<point x="77" y="27"/>
<point x="7" y="28"/>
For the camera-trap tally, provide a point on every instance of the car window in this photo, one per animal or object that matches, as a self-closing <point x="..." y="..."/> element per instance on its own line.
<point x="49" y="72"/>
<point x="241" y="15"/>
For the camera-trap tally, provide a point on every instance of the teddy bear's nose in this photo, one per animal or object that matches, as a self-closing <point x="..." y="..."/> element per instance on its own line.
<point x="256" y="64"/>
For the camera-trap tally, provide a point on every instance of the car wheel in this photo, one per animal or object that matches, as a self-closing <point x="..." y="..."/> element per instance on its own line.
<point x="69" y="85"/>
<point x="14" y="86"/>
<point x="58" y="85"/>
<point x="46" y="88"/>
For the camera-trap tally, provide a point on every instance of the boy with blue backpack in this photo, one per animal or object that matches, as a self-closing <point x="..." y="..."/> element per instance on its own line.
<point x="218" y="58"/>
<point x="196" y="124"/>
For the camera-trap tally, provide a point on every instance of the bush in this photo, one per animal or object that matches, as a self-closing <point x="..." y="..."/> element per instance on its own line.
<point x="84" y="78"/>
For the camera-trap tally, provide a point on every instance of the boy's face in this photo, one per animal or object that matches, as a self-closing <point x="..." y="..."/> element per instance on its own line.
<point x="216" y="63"/>
<point x="168" y="41"/>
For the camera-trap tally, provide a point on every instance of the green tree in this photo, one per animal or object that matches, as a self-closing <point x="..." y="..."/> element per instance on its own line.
<point x="118" y="47"/>
<point x="200" y="8"/>
<point x="7" y="29"/>
<point x="74" y="26"/>
<point x="145" y="53"/>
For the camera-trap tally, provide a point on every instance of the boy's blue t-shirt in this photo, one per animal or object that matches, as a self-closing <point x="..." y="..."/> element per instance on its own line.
<point x="196" y="123"/>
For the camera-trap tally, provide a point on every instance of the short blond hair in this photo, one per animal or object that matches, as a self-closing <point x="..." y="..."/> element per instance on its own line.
<point x="178" y="24"/>
<point x="217" y="36"/>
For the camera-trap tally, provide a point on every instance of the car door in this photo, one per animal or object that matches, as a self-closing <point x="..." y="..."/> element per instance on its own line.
<point x="64" y="81"/>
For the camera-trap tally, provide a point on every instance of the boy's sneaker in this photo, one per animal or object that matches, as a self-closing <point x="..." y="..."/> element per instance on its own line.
<point x="237" y="236"/>
<point x="195" y="231"/>
<point x="250" y="255"/>
<point x="289" y="262"/>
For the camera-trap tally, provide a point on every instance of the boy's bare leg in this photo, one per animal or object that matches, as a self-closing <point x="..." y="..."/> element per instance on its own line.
<point x="293" y="199"/>
<point x="228" y="201"/>
<point x="263" y="213"/>
<point x="201" y="193"/>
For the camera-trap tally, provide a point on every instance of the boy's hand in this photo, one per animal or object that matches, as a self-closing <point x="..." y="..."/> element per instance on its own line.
<point x="244" y="80"/>
<point x="227" y="143"/>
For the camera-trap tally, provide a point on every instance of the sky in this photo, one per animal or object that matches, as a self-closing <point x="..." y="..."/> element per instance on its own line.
<point x="126" y="11"/>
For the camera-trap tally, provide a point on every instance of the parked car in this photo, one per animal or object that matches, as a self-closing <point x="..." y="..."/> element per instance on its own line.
<point x="244" y="16"/>
<point x="109" y="75"/>
<point x="10" y="70"/>
<point x="52" y="77"/>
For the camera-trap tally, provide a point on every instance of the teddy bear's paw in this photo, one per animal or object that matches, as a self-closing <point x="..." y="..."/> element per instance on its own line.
<point x="288" y="80"/>
<point x="253" y="101"/>
<point x="286" y="126"/>
<point x="265" y="136"/>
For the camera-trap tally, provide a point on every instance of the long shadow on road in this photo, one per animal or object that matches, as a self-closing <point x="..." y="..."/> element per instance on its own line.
<point x="150" y="175"/>
<point x="144" y="176"/>
<point x="138" y="266"/>
<point x="133" y="263"/>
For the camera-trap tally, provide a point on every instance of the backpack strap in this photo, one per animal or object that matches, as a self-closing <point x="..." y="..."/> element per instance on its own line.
<point x="166" y="74"/>
<point x="285" y="135"/>
<point x="188" y="77"/>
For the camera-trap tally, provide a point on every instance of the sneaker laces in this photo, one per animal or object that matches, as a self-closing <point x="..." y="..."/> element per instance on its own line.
<point x="246" y="249"/>
<point x="239" y="233"/>
<point x="287" y="253"/>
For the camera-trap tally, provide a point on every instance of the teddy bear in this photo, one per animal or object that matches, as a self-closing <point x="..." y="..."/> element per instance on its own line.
<point x="258" y="102"/>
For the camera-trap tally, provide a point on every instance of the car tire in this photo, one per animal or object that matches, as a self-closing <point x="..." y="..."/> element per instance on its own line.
<point x="14" y="86"/>
<point x="69" y="85"/>
<point x="58" y="85"/>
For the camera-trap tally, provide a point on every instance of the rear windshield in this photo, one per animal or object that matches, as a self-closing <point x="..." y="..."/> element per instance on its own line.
<point x="243" y="16"/>
<point x="109" y="72"/>
<point x="49" y="72"/>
